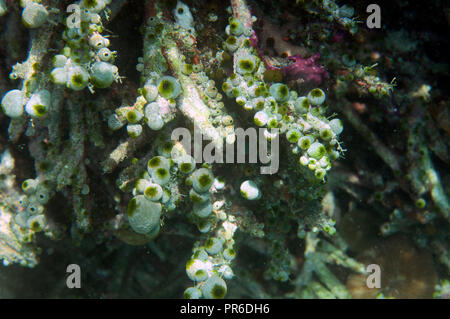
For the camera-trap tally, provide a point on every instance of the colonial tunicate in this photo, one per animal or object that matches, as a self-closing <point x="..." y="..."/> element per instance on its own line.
<point x="143" y="215"/>
<point x="12" y="103"/>
<point x="39" y="103"/>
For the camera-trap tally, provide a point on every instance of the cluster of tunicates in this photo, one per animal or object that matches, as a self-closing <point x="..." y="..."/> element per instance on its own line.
<point x="154" y="108"/>
<point x="31" y="213"/>
<point x="86" y="60"/>
<point x="211" y="260"/>
<point x="37" y="105"/>
<point x="156" y="190"/>
<point x="210" y="264"/>
<point x="300" y="118"/>
<point x="164" y="173"/>
<point x="201" y="181"/>
<point x="150" y="193"/>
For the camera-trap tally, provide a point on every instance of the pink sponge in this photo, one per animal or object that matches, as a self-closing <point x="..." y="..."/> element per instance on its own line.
<point x="308" y="69"/>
